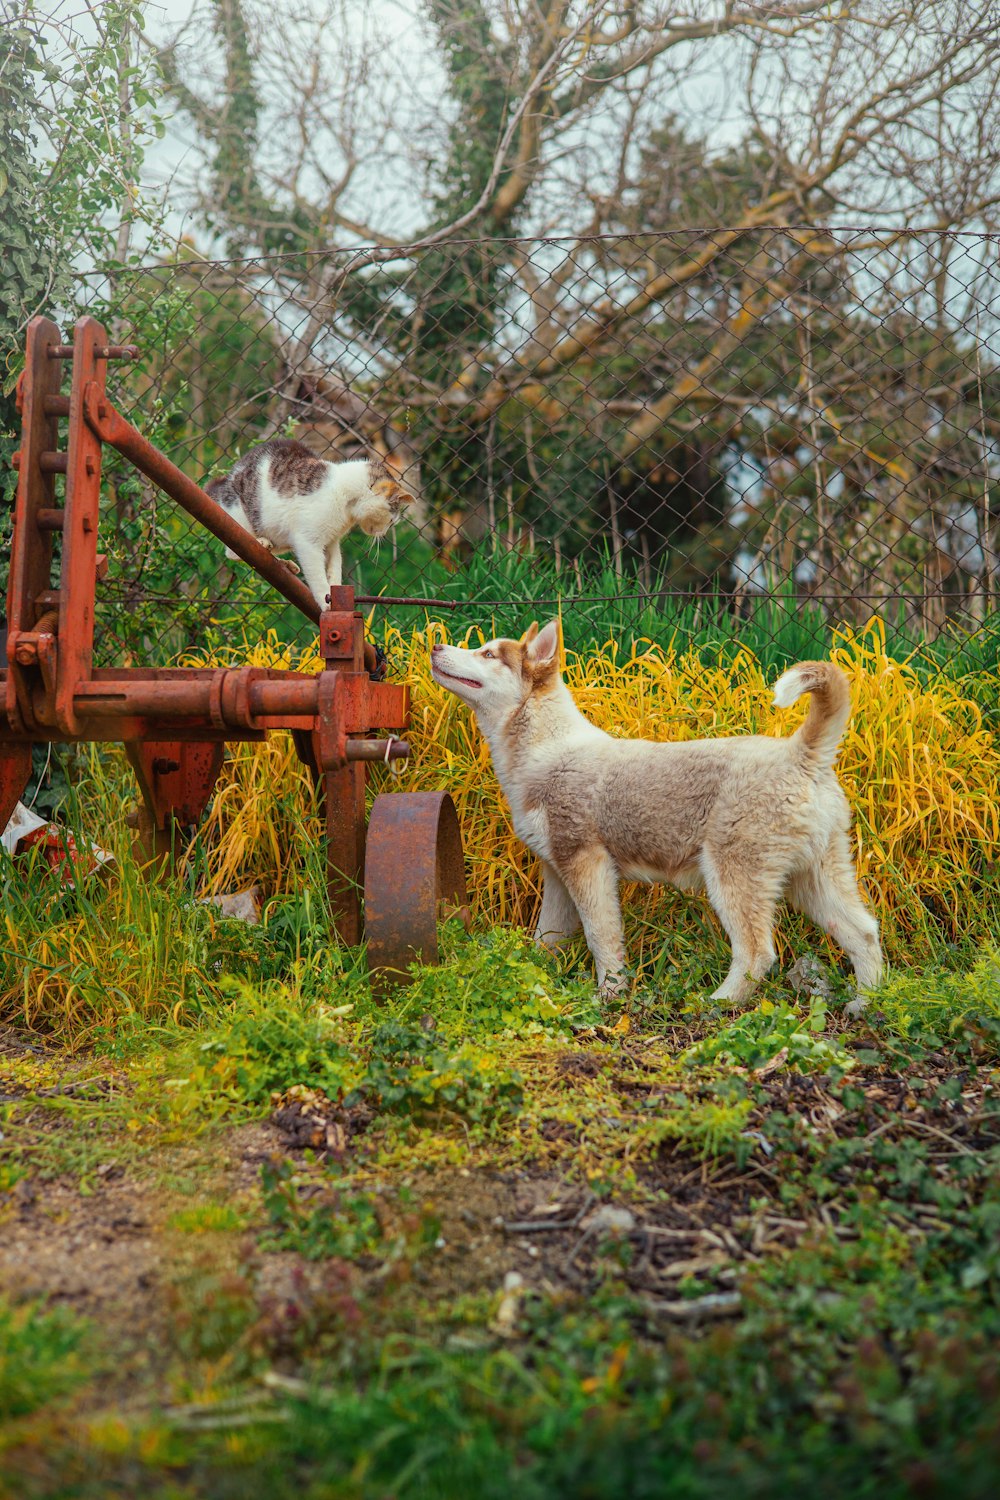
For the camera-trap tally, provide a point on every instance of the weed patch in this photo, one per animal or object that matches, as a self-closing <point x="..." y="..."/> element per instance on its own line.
<point x="274" y="1039"/>
<point x="413" y="1072"/>
<point x="208" y="1218"/>
<point x="333" y="1222"/>
<point x="41" y="1356"/>
<point x="710" y="1126"/>
<point x="942" y="1004"/>
<point x="775" y="1032"/>
<point x="498" y="984"/>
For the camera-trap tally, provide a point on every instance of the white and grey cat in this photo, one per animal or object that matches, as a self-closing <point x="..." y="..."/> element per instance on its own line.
<point x="290" y="500"/>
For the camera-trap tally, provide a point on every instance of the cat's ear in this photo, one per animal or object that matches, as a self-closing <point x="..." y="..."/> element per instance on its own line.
<point x="543" y="647"/>
<point x="404" y="498"/>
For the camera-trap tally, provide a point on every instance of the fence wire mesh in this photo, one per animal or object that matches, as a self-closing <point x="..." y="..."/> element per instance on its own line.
<point x="756" y="424"/>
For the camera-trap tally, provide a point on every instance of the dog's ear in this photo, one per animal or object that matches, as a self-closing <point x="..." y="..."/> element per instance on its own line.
<point x="543" y="647"/>
<point x="530" y="633"/>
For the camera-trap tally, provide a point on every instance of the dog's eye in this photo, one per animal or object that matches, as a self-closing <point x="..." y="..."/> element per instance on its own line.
<point x="490" y="655"/>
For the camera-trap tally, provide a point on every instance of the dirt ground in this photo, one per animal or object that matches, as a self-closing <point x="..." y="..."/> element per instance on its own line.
<point x="106" y="1242"/>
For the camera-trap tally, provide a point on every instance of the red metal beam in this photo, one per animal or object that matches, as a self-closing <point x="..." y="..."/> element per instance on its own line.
<point x="75" y="633"/>
<point x="31" y="547"/>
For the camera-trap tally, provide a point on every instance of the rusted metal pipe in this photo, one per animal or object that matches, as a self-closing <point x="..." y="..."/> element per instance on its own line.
<point x="285" y="697"/>
<point x="236" y="696"/>
<point x="111" y="427"/>
<point x="150" y="698"/>
<point x="377" y="750"/>
<point x="207" y="696"/>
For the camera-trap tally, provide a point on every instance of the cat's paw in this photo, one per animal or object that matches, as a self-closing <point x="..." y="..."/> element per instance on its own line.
<point x="265" y="542"/>
<point x="292" y="567"/>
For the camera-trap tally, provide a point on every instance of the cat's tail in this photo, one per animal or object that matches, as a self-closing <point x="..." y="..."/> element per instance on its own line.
<point x="829" y="707"/>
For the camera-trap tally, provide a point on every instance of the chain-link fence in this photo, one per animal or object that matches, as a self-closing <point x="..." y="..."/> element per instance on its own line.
<point x="783" y="421"/>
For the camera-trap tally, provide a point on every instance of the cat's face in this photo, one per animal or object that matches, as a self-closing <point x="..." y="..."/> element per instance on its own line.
<point x="382" y="506"/>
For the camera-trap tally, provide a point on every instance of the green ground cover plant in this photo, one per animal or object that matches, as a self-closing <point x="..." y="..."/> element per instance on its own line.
<point x="844" y="1308"/>
<point x="41" y="1356"/>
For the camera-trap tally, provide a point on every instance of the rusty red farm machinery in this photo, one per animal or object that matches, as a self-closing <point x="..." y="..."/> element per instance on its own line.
<point x="175" y="722"/>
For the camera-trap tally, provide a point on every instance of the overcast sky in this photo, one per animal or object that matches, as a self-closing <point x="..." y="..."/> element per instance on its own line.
<point x="702" y="99"/>
<point x="170" y="159"/>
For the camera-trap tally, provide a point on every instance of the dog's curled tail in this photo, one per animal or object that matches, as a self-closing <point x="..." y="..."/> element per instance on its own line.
<point x="829" y="706"/>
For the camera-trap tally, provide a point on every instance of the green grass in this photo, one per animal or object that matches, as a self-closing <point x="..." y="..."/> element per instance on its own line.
<point x="502" y="591"/>
<point x="862" y="1355"/>
<point x="41" y="1356"/>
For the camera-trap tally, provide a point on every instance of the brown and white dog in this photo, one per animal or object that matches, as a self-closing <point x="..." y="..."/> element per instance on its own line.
<point x="747" y="819"/>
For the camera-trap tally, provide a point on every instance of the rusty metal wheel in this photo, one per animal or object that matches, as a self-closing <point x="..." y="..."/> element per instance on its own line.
<point x="414" y="876"/>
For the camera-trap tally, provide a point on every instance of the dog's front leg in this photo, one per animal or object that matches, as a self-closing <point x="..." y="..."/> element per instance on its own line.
<point x="558" y="919"/>
<point x="591" y="880"/>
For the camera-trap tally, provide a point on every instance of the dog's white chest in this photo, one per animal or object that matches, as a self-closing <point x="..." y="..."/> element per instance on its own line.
<point x="532" y="828"/>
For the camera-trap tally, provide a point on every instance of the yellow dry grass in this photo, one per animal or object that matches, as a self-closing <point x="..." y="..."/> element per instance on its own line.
<point x="920" y="768"/>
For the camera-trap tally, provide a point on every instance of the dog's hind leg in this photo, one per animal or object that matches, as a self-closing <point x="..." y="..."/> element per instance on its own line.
<point x="591" y="881"/>
<point x="828" y="893"/>
<point x="558" y="919"/>
<point x="744" y="901"/>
